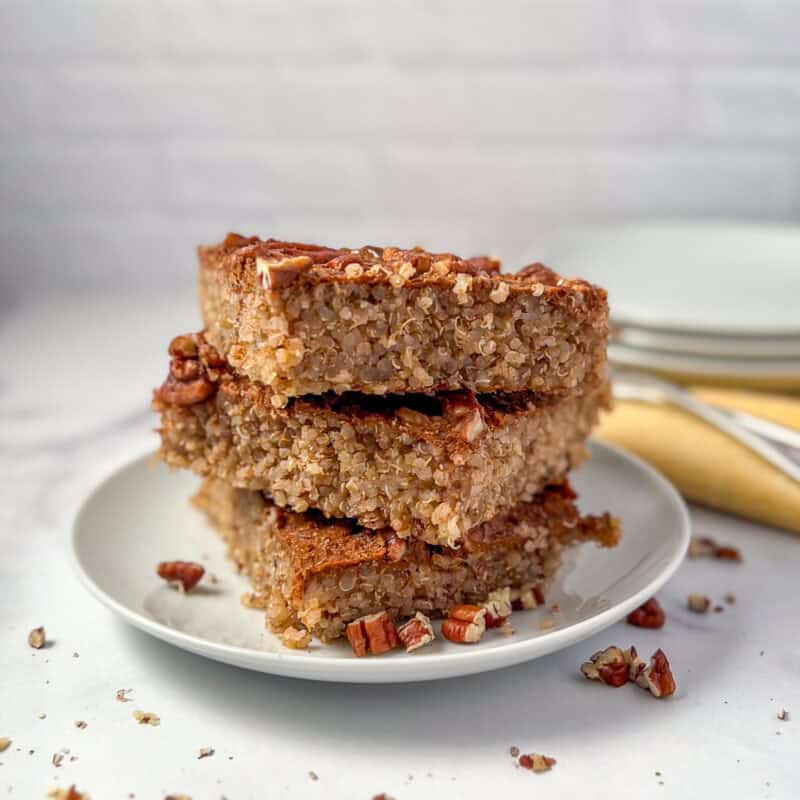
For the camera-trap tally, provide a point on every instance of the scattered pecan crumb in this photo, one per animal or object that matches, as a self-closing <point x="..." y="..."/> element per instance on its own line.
<point x="177" y="797"/>
<point x="648" y="615"/>
<point x="185" y="575"/>
<point x="729" y="598"/>
<point x="212" y="578"/>
<point x="37" y="638"/>
<point x="42" y="715"/>
<point x="122" y="695"/>
<point x="79" y="723"/>
<point x="383" y="796"/>
<point x="205" y="752"/>
<point x="706" y="547"/>
<point x="783" y="715"/>
<point x="514" y="750"/>
<point x="610" y="666"/>
<point x="698" y="603"/>
<point x="57" y="759"/>
<point x="5" y="743"/>
<point x="416" y="633"/>
<point x="719" y="609"/>
<point x="68" y="794"/>
<point x="76" y="655"/>
<point x="536" y="762"/>
<point x="507" y="629"/>
<point x="146" y="718"/>
<point x="657" y="676"/>
<point x="296" y="638"/>
<point x="555" y="608"/>
<point x="548" y="623"/>
<point x="313" y="775"/>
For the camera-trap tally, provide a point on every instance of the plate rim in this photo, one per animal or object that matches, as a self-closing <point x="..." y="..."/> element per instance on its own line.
<point x="420" y="667"/>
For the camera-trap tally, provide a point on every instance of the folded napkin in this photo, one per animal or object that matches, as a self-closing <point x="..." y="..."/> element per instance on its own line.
<point x="707" y="466"/>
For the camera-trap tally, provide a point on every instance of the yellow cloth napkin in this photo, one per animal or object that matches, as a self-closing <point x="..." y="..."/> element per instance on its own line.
<point x="707" y="466"/>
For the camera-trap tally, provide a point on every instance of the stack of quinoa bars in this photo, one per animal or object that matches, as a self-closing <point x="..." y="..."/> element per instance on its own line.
<point x="385" y="434"/>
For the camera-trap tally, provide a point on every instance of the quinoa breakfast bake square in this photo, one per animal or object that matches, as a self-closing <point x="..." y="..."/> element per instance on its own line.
<point x="305" y="319"/>
<point x="431" y="467"/>
<point x="322" y="574"/>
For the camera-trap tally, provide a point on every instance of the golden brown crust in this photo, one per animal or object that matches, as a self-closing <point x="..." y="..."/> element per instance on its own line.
<point x="248" y="259"/>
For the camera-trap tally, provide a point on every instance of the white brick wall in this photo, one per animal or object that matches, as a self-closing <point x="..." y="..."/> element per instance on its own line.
<point x="131" y="130"/>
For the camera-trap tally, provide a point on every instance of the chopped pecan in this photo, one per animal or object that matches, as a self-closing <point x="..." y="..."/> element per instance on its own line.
<point x="536" y="762"/>
<point x="185" y="393"/>
<point x="705" y="547"/>
<point x="416" y="633"/>
<point x="648" y="615"/>
<point x="147" y="718"/>
<point x="526" y="598"/>
<point x="728" y="553"/>
<point x="374" y="633"/>
<point x="184" y="346"/>
<point x="465" y="624"/>
<point x="609" y="666"/>
<point x="71" y="793"/>
<point x="657" y="676"/>
<point x="279" y="273"/>
<point x="466" y="412"/>
<point x="37" y="638"/>
<point x="701" y="547"/>
<point x="183" y="574"/>
<point x="783" y="715"/>
<point x="205" y="752"/>
<point x="498" y="607"/>
<point x="395" y="547"/>
<point x="698" y="603"/>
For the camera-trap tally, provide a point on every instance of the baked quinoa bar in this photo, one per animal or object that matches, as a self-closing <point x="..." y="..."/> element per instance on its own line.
<point x="431" y="467"/>
<point x="319" y="573"/>
<point x="309" y="320"/>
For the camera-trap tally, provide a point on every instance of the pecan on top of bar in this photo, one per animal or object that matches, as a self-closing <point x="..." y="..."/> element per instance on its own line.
<point x="277" y="264"/>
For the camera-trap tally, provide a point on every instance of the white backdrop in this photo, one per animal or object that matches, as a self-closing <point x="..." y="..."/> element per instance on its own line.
<point x="130" y="131"/>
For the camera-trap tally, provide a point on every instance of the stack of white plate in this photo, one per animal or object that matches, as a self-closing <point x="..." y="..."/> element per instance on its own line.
<point x="713" y="301"/>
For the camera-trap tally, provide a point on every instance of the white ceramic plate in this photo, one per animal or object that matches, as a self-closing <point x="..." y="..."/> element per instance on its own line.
<point x="140" y="515"/>
<point x="770" y="348"/>
<point x="744" y="369"/>
<point x="720" y="278"/>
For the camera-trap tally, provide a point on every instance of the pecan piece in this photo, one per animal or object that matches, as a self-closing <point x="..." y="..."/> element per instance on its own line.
<point x="147" y="718"/>
<point x="71" y="793"/>
<point x="183" y="574"/>
<point x="465" y="410"/>
<point x="526" y="598"/>
<point x="465" y="624"/>
<point x="279" y="273"/>
<point x="374" y="633"/>
<point x="698" y="603"/>
<point x="536" y="762"/>
<point x="498" y="607"/>
<point x="706" y="547"/>
<point x="395" y="547"/>
<point x="609" y="666"/>
<point x="648" y="615"/>
<point x="416" y="633"/>
<point x="185" y="393"/>
<point x="183" y="346"/>
<point x="657" y="676"/>
<point x="37" y="638"/>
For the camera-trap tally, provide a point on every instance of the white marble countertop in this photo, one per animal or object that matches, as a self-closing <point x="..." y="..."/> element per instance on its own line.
<point x="74" y="395"/>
